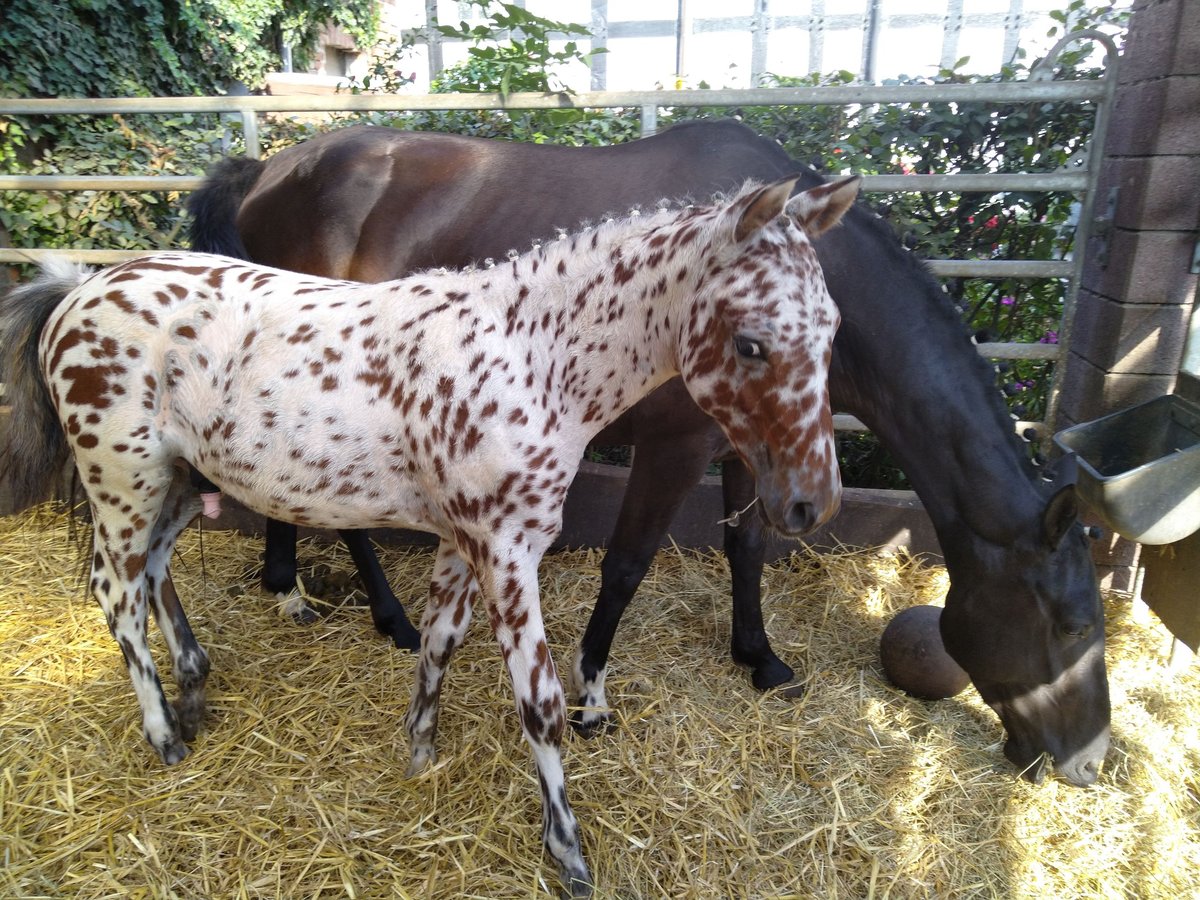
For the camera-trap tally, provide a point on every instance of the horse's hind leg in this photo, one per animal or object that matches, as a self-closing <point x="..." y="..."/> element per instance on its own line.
<point x="386" y="611"/>
<point x="125" y="506"/>
<point x="189" y="662"/>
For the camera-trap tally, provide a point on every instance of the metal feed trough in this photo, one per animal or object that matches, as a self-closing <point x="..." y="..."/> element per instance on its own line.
<point x="1140" y="468"/>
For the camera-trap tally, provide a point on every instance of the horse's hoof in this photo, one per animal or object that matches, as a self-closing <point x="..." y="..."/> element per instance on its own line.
<point x="793" y="691"/>
<point x="577" y="881"/>
<point x="422" y="760"/>
<point x="589" y="723"/>
<point x="400" y="630"/>
<point x="280" y="587"/>
<point x="293" y="605"/>
<point x="190" y="715"/>
<point x="173" y="751"/>
<point x="410" y="641"/>
<point x="770" y="673"/>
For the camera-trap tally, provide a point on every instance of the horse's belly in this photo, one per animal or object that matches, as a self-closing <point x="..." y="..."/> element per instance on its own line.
<point x="336" y="500"/>
<point x="313" y="458"/>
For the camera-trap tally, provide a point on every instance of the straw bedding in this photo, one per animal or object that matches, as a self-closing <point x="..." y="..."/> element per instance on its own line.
<point x="706" y="788"/>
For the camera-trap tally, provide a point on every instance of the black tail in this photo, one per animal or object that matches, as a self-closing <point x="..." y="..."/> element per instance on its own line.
<point x="213" y="227"/>
<point x="34" y="450"/>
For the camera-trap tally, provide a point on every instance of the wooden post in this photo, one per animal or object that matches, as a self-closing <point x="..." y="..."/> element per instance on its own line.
<point x="1138" y="290"/>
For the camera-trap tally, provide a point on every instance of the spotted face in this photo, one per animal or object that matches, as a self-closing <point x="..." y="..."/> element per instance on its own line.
<point x="759" y="365"/>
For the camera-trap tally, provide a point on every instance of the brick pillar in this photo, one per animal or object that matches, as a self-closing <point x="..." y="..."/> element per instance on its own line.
<point x="1137" y="293"/>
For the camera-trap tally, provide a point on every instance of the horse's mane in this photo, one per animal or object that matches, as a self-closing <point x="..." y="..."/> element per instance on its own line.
<point x="609" y="228"/>
<point x="864" y="217"/>
<point x="860" y="213"/>
<point x="940" y="311"/>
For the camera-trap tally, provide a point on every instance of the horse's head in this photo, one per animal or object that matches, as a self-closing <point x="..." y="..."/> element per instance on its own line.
<point x="755" y="351"/>
<point x="1029" y="630"/>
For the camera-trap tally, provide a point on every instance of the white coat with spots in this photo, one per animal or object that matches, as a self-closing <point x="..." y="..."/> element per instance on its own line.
<point x="457" y="403"/>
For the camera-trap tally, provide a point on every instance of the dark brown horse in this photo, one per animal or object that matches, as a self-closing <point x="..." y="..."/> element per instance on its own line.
<point x="1023" y="615"/>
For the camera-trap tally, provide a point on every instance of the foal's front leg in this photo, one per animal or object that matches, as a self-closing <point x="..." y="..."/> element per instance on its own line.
<point x="510" y="590"/>
<point x="452" y="593"/>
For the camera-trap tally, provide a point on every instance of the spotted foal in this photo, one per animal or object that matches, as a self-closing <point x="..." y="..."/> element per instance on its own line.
<point x="463" y="409"/>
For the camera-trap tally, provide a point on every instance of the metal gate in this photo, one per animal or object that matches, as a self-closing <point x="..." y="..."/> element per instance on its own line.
<point x="1081" y="179"/>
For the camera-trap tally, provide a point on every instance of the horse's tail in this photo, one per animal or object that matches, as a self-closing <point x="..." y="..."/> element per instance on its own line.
<point x="33" y="451"/>
<point x="213" y="227"/>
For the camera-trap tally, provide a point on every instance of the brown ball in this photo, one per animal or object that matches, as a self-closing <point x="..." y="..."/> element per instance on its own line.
<point x="915" y="660"/>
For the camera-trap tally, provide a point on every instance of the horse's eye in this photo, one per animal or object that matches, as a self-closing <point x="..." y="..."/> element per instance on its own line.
<point x="1077" y="630"/>
<point x="749" y="348"/>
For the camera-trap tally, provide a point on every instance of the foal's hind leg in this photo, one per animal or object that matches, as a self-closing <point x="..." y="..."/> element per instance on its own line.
<point x="189" y="662"/>
<point x="125" y="505"/>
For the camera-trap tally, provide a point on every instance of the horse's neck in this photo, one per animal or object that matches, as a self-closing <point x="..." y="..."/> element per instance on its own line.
<point x="912" y="376"/>
<point x="971" y="481"/>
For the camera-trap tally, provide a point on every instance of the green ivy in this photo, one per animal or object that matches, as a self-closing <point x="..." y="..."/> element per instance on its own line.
<point x="106" y="48"/>
<point x="162" y="48"/>
<point x="116" y="145"/>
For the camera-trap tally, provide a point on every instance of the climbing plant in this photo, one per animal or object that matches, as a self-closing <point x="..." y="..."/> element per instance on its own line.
<point x="143" y="48"/>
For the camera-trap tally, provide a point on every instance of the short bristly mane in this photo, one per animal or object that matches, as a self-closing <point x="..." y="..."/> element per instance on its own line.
<point x="593" y="241"/>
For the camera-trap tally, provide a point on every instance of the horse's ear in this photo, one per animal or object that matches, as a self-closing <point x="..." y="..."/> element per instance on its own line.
<point x="1063" y="508"/>
<point x="819" y="208"/>
<point x="763" y="206"/>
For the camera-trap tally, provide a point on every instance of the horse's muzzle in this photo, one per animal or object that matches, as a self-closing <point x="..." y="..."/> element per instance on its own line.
<point x="802" y="517"/>
<point x="797" y="495"/>
<point x="796" y="517"/>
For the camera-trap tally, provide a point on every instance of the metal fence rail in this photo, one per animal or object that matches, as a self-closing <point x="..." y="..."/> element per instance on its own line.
<point x="1080" y="180"/>
<point x="828" y="95"/>
<point x="1066" y="181"/>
